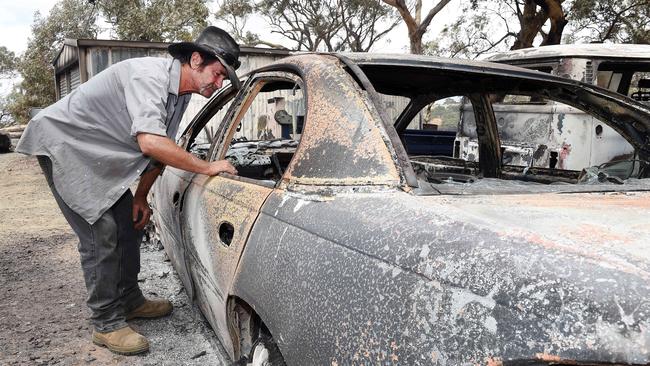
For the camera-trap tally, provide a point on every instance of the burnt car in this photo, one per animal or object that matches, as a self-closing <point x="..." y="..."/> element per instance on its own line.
<point x="344" y="241"/>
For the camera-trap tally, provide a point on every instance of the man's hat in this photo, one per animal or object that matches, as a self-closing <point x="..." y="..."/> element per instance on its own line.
<point x="214" y="42"/>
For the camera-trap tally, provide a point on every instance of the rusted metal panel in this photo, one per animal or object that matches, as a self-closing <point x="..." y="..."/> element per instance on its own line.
<point x="218" y="214"/>
<point x="452" y="280"/>
<point x="165" y="200"/>
<point x="342" y="143"/>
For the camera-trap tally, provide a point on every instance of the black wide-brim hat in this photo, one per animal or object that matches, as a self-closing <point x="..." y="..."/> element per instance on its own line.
<point x="215" y="42"/>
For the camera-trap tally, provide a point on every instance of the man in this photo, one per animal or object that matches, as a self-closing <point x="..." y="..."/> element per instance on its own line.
<point x="94" y="143"/>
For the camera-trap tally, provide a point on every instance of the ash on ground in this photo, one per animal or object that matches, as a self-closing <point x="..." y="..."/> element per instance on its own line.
<point x="43" y="316"/>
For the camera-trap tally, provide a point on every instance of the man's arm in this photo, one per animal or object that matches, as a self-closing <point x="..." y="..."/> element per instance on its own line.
<point x="167" y="152"/>
<point x="141" y="210"/>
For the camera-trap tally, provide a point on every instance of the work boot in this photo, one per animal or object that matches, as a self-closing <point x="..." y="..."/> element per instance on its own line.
<point x="124" y="341"/>
<point x="151" y="309"/>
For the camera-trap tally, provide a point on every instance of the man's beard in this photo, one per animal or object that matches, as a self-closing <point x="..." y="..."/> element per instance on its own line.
<point x="211" y="87"/>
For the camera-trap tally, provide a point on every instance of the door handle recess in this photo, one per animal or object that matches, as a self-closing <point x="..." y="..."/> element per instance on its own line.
<point x="226" y="232"/>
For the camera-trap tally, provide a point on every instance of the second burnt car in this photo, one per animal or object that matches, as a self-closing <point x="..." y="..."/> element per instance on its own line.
<point x="336" y="245"/>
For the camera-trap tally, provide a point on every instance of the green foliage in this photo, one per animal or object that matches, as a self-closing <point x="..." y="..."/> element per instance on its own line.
<point x="8" y="62"/>
<point x="151" y="20"/>
<point x="448" y="114"/>
<point x="312" y="25"/>
<point x="155" y="20"/>
<point x="625" y="21"/>
<point x="67" y="19"/>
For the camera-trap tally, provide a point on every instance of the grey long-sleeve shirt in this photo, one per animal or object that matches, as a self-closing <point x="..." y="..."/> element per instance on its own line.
<point x="90" y="135"/>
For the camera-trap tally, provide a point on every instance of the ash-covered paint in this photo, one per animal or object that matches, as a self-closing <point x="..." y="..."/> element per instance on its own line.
<point x="457" y="280"/>
<point x="211" y="203"/>
<point x="342" y="142"/>
<point x="346" y="266"/>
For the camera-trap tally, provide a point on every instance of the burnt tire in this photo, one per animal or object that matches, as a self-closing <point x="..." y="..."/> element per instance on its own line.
<point x="265" y="352"/>
<point x="254" y="344"/>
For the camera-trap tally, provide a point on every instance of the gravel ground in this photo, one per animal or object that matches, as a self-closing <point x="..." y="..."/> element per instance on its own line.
<point x="43" y="317"/>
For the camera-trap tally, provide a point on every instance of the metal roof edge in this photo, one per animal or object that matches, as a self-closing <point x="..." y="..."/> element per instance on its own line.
<point x="85" y="42"/>
<point x="591" y="50"/>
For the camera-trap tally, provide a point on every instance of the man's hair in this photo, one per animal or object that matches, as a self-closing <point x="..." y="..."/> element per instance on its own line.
<point x="207" y="58"/>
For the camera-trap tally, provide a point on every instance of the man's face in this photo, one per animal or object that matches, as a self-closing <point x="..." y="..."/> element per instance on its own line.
<point x="209" y="78"/>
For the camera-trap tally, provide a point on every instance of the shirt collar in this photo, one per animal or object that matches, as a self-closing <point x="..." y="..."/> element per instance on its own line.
<point x="174" y="76"/>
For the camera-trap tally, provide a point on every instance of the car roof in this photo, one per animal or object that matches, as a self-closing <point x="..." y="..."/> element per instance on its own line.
<point x="366" y="60"/>
<point x="400" y="59"/>
<point x="413" y="75"/>
<point x="600" y="50"/>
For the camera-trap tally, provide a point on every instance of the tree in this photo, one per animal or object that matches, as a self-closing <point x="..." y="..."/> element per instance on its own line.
<point x="496" y="25"/>
<point x="67" y="19"/>
<point x="8" y="66"/>
<point x="155" y="20"/>
<point x="532" y="15"/>
<point x="312" y="25"/>
<point x="469" y="36"/>
<point x="415" y="25"/>
<point x="626" y="21"/>
<point x="318" y="25"/>
<point x="361" y="19"/>
<point x="235" y="13"/>
<point x="8" y="62"/>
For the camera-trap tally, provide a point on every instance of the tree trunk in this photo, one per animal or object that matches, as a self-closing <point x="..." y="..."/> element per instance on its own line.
<point x="531" y="22"/>
<point x="558" y="20"/>
<point x="416" y="43"/>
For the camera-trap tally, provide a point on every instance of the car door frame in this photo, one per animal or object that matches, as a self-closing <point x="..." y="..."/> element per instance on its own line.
<point x="172" y="185"/>
<point x="223" y="200"/>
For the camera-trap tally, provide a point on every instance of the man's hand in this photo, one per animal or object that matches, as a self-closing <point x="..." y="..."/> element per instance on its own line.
<point x="167" y="152"/>
<point x="220" y="166"/>
<point x="141" y="212"/>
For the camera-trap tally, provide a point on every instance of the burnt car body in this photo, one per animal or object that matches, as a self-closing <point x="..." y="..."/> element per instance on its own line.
<point x="345" y="249"/>
<point x="620" y="68"/>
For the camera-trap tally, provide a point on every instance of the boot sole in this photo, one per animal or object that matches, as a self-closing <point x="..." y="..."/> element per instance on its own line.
<point x="119" y="350"/>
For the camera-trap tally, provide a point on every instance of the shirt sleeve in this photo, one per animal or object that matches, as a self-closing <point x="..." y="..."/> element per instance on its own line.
<point x="146" y="97"/>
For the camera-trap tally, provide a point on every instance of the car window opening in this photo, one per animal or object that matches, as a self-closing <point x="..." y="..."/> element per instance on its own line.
<point x="541" y="141"/>
<point x="268" y="133"/>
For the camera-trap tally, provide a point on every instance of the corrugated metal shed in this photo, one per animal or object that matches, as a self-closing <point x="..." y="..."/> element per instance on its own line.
<point x="81" y="59"/>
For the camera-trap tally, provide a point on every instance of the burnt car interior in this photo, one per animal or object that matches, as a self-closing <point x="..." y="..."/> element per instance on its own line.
<point x="481" y="93"/>
<point x="263" y="135"/>
<point x="627" y="78"/>
<point x="263" y="149"/>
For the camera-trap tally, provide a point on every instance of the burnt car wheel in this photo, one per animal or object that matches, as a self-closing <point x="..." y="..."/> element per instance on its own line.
<point x="256" y="345"/>
<point x="265" y="353"/>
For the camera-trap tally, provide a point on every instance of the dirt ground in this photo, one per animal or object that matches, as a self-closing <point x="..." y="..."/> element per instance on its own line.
<point x="43" y="317"/>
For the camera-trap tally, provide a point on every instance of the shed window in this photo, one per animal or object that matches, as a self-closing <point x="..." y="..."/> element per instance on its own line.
<point x="98" y="60"/>
<point x="120" y="54"/>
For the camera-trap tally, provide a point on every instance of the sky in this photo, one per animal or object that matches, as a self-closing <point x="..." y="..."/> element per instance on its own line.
<point x="16" y="17"/>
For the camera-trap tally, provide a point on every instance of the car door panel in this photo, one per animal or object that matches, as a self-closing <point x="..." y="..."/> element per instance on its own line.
<point x="167" y="203"/>
<point x="217" y="217"/>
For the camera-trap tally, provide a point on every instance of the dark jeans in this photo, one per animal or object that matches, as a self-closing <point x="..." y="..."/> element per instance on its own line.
<point x="110" y="258"/>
